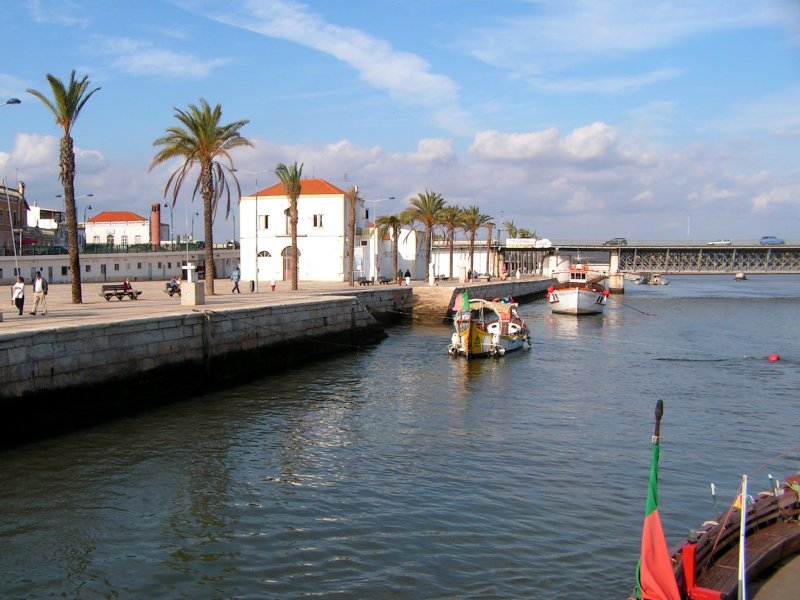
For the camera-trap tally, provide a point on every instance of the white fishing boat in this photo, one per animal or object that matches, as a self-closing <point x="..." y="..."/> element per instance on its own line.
<point x="658" y="279"/>
<point x="487" y="328"/>
<point x="580" y="294"/>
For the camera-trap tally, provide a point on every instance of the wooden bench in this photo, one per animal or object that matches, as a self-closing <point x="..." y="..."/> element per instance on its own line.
<point x="384" y="280"/>
<point x="365" y="281"/>
<point x="172" y="290"/>
<point x="118" y="291"/>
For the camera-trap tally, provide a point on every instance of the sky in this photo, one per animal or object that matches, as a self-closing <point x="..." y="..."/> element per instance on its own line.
<point x="584" y="119"/>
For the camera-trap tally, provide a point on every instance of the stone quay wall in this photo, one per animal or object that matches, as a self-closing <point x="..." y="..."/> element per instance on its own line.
<point x="72" y="375"/>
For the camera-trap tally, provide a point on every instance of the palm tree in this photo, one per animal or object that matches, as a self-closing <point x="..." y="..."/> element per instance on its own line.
<point x="351" y="196"/>
<point x="425" y="209"/>
<point x="391" y="223"/>
<point x="472" y="220"/>
<point x="290" y="177"/>
<point x="201" y="141"/>
<point x="66" y="106"/>
<point x="450" y="220"/>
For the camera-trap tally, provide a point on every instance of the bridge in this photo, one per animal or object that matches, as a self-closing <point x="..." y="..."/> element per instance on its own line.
<point x="692" y="258"/>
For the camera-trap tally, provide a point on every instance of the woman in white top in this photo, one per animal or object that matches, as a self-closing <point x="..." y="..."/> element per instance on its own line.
<point x="18" y="294"/>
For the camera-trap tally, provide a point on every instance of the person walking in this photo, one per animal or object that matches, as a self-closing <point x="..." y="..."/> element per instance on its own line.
<point x="18" y="294"/>
<point x="236" y="275"/>
<point x="39" y="293"/>
<point x="408" y="277"/>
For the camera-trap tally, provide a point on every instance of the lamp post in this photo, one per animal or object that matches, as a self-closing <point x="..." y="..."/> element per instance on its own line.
<point x="255" y="214"/>
<point x="85" y="237"/>
<point x="193" y="216"/>
<point x="12" y="101"/>
<point x="171" y="223"/>
<point x="375" y="230"/>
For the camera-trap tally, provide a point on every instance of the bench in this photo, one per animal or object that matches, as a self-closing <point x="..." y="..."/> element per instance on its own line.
<point x="172" y="290"/>
<point x="383" y="280"/>
<point x="118" y="291"/>
<point x="365" y="281"/>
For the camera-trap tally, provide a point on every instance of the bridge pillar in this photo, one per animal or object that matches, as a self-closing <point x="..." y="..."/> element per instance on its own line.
<point x="616" y="283"/>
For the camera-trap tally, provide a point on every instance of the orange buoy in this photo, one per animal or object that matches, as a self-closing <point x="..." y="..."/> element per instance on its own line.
<point x="773" y="357"/>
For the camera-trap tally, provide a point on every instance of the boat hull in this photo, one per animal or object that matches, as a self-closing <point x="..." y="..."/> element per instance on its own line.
<point x="488" y="328"/>
<point x="577" y="301"/>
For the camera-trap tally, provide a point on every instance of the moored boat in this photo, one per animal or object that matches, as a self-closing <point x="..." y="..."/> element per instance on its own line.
<point x="658" y="279"/>
<point x="487" y="328"/>
<point x="754" y="537"/>
<point x="581" y="294"/>
<point x="740" y="276"/>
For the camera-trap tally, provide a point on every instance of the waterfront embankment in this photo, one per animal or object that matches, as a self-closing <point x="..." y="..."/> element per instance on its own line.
<point x="82" y="362"/>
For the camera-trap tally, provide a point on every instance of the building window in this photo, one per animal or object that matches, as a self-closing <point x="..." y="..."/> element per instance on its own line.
<point x="124" y="240"/>
<point x="64" y="271"/>
<point x="139" y="266"/>
<point x="110" y="240"/>
<point x="96" y="239"/>
<point x="137" y="240"/>
<point x="116" y="266"/>
<point x="88" y="268"/>
<point x="265" y="222"/>
<point x="159" y="265"/>
<point x="317" y="220"/>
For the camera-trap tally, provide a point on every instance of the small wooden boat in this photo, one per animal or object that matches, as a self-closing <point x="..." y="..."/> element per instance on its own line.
<point x="581" y="294"/>
<point x="487" y="328"/>
<point x="740" y="276"/>
<point x="716" y="562"/>
<point x="658" y="279"/>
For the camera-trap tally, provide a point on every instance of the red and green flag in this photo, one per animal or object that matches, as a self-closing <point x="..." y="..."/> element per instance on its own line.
<point x="461" y="302"/>
<point x="655" y="575"/>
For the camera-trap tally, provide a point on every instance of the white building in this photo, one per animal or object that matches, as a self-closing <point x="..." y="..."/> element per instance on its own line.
<point x="265" y="237"/>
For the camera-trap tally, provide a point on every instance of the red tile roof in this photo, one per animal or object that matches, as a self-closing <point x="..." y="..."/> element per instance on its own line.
<point x="115" y="216"/>
<point x="308" y="187"/>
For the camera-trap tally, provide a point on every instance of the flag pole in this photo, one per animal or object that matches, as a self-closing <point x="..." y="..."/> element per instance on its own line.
<point x="742" y="595"/>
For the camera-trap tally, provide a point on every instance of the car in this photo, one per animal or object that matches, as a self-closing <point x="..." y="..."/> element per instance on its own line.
<point x="722" y="242"/>
<point x="770" y="240"/>
<point x="616" y="242"/>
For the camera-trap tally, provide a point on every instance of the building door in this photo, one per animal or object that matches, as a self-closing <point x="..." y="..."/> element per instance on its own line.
<point x="287" y="262"/>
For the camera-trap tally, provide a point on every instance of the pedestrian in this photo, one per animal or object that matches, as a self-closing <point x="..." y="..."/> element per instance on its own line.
<point x="235" y="276"/>
<point x="399" y="277"/>
<point x="408" y="277"/>
<point x="39" y="293"/>
<point x="18" y="294"/>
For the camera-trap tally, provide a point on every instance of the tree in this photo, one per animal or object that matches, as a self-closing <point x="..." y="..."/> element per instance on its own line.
<point x="391" y="223"/>
<point x="66" y="105"/>
<point x="425" y="209"/>
<point x="290" y="177"/>
<point x="200" y="141"/>
<point x="472" y="220"/>
<point x="351" y="196"/>
<point x="450" y="220"/>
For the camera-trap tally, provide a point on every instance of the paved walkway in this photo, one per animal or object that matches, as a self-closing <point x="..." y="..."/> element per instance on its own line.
<point x="153" y="301"/>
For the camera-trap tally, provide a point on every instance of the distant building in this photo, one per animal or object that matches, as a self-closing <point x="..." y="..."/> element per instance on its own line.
<point x="323" y="249"/>
<point x="120" y="228"/>
<point x="13" y="217"/>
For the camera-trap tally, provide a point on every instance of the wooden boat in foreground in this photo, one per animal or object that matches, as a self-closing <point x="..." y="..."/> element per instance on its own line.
<point x="717" y="561"/>
<point x="707" y="563"/>
<point x="488" y="328"/>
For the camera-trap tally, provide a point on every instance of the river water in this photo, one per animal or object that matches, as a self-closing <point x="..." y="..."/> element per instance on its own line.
<point x="400" y="472"/>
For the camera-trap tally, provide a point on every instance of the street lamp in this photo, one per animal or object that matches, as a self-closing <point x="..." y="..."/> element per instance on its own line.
<point x="87" y="207"/>
<point x="193" y="216"/>
<point x="171" y="223"/>
<point x="12" y="101"/>
<point x="375" y="229"/>
<point x="255" y="242"/>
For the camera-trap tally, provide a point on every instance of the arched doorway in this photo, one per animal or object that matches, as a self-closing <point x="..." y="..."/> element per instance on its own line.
<point x="286" y="253"/>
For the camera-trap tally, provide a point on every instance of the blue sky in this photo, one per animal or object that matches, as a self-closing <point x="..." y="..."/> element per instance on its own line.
<point x="575" y="119"/>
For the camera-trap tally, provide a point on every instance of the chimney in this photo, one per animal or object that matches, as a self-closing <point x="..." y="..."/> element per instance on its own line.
<point x="155" y="226"/>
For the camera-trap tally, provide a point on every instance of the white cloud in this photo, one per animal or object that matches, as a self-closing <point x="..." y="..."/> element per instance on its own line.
<point x="139" y="57"/>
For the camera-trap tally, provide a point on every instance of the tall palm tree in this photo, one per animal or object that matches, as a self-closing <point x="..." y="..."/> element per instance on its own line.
<point x="426" y="210"/>
<point x="290" y="177"/>
<point x="200" y="140"/>
<point x="472" y="220"/>
<point x="351" y="196"/>
<point x="66" y="105"/>
<point x="390" y="223"/>
<point x="450" y="220"/>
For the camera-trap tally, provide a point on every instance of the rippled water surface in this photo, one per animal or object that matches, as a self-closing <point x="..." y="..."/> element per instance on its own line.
<point x="400" y="472"/>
